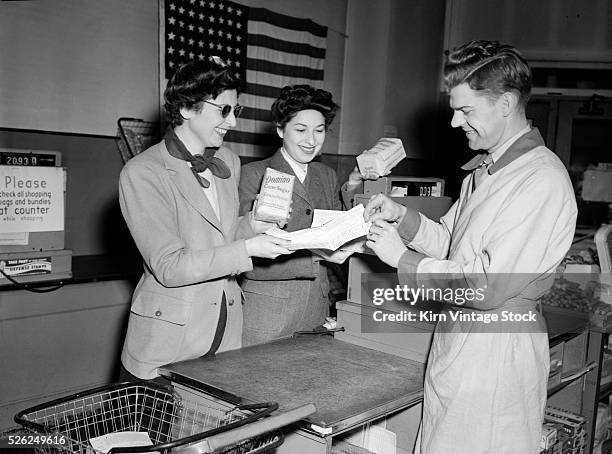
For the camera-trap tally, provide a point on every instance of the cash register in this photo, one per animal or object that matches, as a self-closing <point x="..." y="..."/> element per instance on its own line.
<point x="408" y="339"/>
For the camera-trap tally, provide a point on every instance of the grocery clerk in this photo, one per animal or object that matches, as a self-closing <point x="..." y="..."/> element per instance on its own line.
<point x="485" y="385"/>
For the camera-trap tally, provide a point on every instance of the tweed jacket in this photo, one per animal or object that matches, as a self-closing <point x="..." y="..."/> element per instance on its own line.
<point x="291" y="292"/>
<point x="191" y="257"/>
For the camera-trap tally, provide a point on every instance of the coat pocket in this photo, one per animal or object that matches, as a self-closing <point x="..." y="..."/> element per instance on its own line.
<point x="161" y="307"/>
<point x="156" y="329"/>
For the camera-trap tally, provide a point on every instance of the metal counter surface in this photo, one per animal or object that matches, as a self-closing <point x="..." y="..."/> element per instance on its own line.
<point x="347" y="383"/>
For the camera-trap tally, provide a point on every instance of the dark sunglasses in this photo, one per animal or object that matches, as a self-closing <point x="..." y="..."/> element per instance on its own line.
<point x="226" y="109"/>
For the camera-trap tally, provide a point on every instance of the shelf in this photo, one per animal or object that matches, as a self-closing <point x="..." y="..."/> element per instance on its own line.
<point x="571" y="377"/>
<point x="604" y="391"/>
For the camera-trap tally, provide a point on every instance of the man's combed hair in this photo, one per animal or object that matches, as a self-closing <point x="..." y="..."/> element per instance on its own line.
<point x="195" y="82"/>
<point x="489" y="67"/>
<point x="295" y="98"/>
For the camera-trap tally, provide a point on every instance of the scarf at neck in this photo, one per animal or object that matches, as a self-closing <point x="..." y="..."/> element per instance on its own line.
<point x="200" y="162"/>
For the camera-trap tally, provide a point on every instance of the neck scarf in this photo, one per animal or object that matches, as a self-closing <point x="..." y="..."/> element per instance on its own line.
<point x="199" y="163"/>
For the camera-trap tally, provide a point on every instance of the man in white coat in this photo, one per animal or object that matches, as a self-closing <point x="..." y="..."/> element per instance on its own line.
<point x="485" y="385"/>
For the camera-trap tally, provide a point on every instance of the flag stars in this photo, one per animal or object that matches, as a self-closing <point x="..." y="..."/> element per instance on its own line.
<point x="219" y="47"/>
<point x="237" y="51"/>
<point x="181" y="24"/>
<point x="238" y="38"/>
<point x="229" y="36"/>
<point x="181" y="52"/>
<point x="220" y="33"/>
<point x="191" y="55"/>
<point x="192" y="2"/>
<point x="201" y="29"/>
<point x="238" y="25"/>
<point x="202" y="3"/>
<point x="201" y="16"/>
<point x="182" y="39"/>
<point x="191" y="41"/>
<point x="191" y="28"/>
<point x="200" y="43"/>
<point x="171" y="36"/>
<point x="200" y="57"/>
<point x="238" y="12"/>
<point x="170" y="50"/>
<point x="171" y="20"/>
<point x="212" y="5"/>
<point x="230" y="22"/>
<point x="211" y="45"/>
<point x="211" y="31"/>
<point x="230" y="9"/>
<point x="229" y="49"/>
<point x="211" y="19"/>
<point x="191" y="13"/>
<point x="221" y="20"/>
<point x="172" y="6"/>
<point x="221" y="6"/>
<point x="181" y="10"/>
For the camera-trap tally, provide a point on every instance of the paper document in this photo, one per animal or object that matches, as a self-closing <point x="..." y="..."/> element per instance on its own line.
<point x="124" y="439"/>
<point x="320" y="217"/>
<point x="338" y="230"/>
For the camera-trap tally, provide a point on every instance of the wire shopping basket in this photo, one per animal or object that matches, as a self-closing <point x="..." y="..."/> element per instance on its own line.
<point x="172" y="423"/>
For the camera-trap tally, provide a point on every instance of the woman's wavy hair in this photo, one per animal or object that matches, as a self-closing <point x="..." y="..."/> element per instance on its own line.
<point x="295" y="98"/>
<point x="488" y="67"/>
<point x="195" y="82"/>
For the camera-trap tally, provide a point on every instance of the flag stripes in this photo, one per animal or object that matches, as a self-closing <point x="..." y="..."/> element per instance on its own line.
<point x="269" y="50"/>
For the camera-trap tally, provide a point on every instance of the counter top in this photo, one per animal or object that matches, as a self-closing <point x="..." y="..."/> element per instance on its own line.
<point x="347" y="383"/>
<point x="91" y="268"/>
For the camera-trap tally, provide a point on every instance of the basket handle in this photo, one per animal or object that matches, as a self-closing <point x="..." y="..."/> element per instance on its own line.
<point x="269" y="424"/>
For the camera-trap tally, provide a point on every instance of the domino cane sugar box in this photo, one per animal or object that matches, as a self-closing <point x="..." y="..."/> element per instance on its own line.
<point x="274" y="201"/>
<point x="382" y="157"/>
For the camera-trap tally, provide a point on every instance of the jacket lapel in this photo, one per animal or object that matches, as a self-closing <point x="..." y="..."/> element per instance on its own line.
<point x="225" y="194"/>
<point x="277" y="162"/>
<point x="183" y="178"/>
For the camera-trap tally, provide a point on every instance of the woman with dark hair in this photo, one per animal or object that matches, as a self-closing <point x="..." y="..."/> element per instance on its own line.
<point x="180" y="201"/>
<point x="291" y="294"/>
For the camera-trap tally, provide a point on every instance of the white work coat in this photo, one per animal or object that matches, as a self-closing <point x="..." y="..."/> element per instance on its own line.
<point x="485" y="392"/>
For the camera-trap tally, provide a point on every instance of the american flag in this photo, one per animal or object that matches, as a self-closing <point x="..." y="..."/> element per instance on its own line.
<point x="269" y="50"/>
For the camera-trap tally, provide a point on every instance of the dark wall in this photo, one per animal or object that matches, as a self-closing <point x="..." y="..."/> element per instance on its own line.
<point x="93" y="221"/>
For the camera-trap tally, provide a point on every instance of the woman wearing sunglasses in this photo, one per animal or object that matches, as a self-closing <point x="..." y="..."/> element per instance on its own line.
<point x="180" y="201"/>
<point x="291" y="294"/>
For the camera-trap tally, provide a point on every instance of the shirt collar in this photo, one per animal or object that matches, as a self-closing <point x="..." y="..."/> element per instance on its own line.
<point x="519" y="144"/>
<point x="298" y="168"/>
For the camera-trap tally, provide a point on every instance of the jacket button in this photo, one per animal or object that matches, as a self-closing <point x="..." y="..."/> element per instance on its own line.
<point x="231" y="301"/>
<point x="158" y="313"/>
<point x="308" y="211"/>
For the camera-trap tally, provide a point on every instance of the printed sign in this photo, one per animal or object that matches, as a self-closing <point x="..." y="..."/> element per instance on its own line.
<point x="26" y="267"/>
<point x="31" y="199"/>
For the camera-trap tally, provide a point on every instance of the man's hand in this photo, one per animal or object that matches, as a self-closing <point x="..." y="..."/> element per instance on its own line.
<point x="386" y="243"/>
<point x="382" y="207"/>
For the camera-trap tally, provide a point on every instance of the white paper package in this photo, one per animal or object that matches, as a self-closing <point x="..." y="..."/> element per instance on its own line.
<point x="274" y="201"/>
<point x="382" y="157"/>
